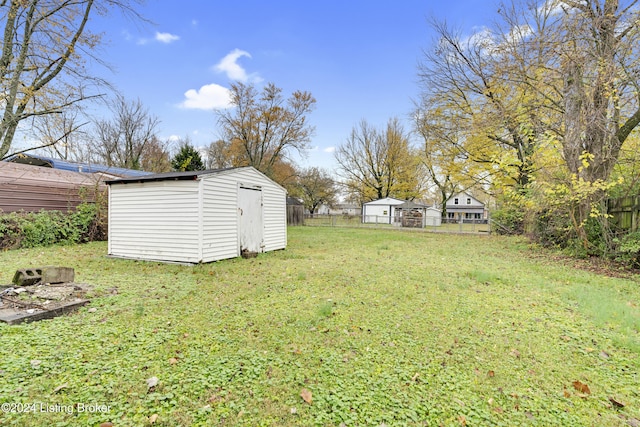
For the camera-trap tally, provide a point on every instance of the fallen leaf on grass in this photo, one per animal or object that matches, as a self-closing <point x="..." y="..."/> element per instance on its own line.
<point x="306" y="395"/>
<point x="173" y="361"/>
<point x="581" y="387"/>
<point x="60" y="387"/>
<point x="153" y="418"/>
<point x="107" y="424"/>
<point x="615" y="402"/>
<point x="491" y="374"/>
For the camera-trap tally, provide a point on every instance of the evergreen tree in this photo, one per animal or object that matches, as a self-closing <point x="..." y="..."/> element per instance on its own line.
<point x="187" y="159"/>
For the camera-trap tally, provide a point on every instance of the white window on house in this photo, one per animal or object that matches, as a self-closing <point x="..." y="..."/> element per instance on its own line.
<point x="478" y="216"/>
<point x="384" y="212"/>
<point x="468" y="201"/>
<point x="455" y="201"/>
<point x="451" y="215"/>
<point x="467" y="215"/>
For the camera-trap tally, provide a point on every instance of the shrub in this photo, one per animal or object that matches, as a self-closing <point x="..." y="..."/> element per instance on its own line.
<point x="509" y="219"/>
<point x="629" y="249"/>
<point x="28" y="230"/>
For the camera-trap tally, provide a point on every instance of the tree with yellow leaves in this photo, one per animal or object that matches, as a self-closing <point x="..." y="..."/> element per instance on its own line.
<point x="376" y="164"/>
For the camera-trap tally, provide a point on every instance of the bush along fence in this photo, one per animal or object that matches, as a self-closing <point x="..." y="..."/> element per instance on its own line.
<point x="86" y="223"/>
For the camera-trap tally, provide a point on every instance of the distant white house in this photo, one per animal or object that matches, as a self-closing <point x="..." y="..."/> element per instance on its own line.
<point x="465" y="207"/>
<point x="339" y="209"/>
<point x="380" y="211"/>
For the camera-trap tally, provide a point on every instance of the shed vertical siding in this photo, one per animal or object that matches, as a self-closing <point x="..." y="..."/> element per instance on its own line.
<point x="155" y="220"/>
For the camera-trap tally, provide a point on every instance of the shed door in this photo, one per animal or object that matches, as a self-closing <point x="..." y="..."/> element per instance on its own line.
<point x="250" y="213"/>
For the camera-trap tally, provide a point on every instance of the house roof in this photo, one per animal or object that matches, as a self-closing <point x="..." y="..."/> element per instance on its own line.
<point x="32" y="188"/>
<point x="31" y="159"/>
<point x="293" y="201"/>
<point x="412" y="205"/>
<point x="386" y="201"/>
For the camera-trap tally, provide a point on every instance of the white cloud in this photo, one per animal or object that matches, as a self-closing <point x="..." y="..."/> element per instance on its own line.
<point x="234" y="71"/>
<point x="166" y="37"/>
<point x="329" y="150"/>
<point x="208" y="97"/>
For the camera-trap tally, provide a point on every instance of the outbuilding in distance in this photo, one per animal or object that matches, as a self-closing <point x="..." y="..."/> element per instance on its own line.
<point x="196" y="217"/>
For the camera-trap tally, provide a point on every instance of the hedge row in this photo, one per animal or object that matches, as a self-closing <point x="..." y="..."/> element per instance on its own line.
<point x="28" y="230"/>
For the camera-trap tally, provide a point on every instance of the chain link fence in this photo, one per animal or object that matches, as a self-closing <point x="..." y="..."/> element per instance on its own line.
<point x="385" y="222"/>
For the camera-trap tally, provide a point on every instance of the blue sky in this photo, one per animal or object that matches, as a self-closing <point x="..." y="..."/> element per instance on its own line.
<point x="358" y="58"/>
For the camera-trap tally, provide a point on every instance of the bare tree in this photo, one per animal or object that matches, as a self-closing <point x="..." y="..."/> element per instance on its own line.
<point x="264" y="128"/>
<point x="376" y="164"/>
<point x="41" y="62"/>
<point x="63" y="135"/>
<point x="121" y="141"/>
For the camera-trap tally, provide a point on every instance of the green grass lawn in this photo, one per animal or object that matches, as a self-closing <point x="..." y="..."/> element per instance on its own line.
<point x="372" y="327"/>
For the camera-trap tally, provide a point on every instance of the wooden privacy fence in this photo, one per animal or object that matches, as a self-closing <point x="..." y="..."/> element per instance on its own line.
<point x="295" y="215"/>
<point x="624" y="212"/>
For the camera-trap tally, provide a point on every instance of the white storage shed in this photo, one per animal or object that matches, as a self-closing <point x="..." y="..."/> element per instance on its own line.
<point x="380" y="211"/>
<point x="196" y="217"/>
